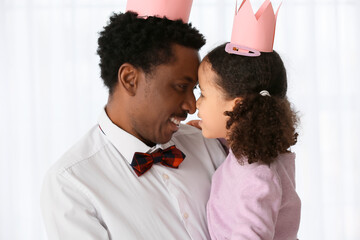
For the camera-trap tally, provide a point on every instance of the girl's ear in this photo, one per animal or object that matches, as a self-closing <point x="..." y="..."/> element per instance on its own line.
<point x="128" y="78"/>
<point x="233" y="102"/>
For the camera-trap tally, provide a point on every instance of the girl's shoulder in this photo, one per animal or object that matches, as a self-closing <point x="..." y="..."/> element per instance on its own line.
<point x="256" y="170"/>
<point x="260" y="171"/>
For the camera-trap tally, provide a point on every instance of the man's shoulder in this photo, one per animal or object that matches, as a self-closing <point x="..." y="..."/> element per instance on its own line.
<point x="192" y="136"/>
<point x="190" y="133"/>
<point x="88" y="146"/>
<point x="191" y="141"/>
<point x="187" y="130"/>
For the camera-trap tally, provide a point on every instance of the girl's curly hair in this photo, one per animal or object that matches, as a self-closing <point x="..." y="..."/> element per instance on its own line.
<point x="261" y="127"/>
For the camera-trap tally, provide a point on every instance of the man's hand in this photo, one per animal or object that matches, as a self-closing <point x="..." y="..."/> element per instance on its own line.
<point x="194" y="123"/>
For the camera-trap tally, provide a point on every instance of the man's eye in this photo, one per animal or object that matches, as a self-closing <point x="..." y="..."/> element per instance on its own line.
<point x="182" y="86"/>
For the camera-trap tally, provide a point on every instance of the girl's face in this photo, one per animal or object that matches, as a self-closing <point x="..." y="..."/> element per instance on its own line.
<point x="212" y="104"/>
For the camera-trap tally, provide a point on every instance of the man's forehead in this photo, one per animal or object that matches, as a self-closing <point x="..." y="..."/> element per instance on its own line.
<point x="191" y="80"/>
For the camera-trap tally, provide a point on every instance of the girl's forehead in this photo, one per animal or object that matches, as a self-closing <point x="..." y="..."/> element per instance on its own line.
<point x="206" y="69"/>
<point x="205" y="64"/>
<point x="207" y="76"/>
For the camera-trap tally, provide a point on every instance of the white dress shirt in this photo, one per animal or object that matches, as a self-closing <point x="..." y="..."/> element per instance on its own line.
<point x="93" y="193"/>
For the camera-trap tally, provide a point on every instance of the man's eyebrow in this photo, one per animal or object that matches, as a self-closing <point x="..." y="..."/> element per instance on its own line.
<point x="189" y="79"/>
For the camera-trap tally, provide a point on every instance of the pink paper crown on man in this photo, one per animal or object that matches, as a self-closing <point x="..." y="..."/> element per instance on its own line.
<point x="171" y="9"/>
<point x="253" y="33"/>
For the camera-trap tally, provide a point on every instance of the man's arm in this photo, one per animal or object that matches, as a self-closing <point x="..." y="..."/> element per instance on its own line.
<point x="68" y="212"/>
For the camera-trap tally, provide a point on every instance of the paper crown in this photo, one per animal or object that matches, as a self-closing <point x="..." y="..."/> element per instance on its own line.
<point x="253" y="33"/>
<point x="172" y="9"/>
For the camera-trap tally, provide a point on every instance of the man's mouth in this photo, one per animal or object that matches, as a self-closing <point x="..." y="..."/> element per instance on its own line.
<point x="176" y="120"/>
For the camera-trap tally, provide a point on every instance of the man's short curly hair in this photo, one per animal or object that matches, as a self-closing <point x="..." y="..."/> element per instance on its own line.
<point x="144" y="43"/>
<point x="261" y="127"/>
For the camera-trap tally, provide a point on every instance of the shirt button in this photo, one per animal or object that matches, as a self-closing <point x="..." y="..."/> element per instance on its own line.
<point x="165" y="176"/>
<point x="186" y="216"/>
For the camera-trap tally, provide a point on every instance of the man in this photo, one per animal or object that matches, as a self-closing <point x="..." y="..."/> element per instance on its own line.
<point x="97" y="190"/>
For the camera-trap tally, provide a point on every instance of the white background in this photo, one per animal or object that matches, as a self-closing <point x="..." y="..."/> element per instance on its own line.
<point x="51" y="94"/>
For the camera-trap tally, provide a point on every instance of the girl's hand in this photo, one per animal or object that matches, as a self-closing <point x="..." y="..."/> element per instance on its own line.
<point x="194" y="123"/>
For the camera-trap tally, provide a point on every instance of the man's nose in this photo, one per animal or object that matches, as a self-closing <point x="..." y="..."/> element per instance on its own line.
<point x="189" y="104"/>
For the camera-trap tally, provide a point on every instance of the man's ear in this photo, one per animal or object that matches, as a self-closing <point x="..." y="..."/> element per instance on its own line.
<point x="128" y="77"/>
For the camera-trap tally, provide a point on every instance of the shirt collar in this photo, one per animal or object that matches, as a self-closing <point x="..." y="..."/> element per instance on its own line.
<point x="123" y="141"/>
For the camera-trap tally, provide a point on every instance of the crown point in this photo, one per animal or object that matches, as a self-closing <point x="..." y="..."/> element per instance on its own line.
<point x="255" y="31"/>
<point x="171" y="9"/>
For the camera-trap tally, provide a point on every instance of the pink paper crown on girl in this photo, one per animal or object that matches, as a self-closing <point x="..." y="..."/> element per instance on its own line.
<point x="172" y="9"/>
<point x="253" y="33"/>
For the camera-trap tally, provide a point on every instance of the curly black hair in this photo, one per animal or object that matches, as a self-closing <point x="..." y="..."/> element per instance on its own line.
<point x="261" y="127"/>
<point x="144" y="43"/>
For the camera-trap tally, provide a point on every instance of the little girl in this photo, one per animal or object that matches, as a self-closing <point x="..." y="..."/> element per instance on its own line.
<point x="243" y="99"/>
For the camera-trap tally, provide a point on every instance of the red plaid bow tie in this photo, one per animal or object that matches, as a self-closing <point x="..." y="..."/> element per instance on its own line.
<point x="170" y="157"/>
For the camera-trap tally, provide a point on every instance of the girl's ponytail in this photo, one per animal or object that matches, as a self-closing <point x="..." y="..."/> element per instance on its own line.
<point x="261" y="127"/>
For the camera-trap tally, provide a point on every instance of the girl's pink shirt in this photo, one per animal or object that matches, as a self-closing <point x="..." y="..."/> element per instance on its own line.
<point x="254" y="201"/>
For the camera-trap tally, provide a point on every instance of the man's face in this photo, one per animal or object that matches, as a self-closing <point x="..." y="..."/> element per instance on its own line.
<point x="165" y="96"/>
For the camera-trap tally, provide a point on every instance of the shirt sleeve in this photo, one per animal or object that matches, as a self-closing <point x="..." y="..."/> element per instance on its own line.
<point x="258" y="204"/>
<point x="67" y="211"/>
